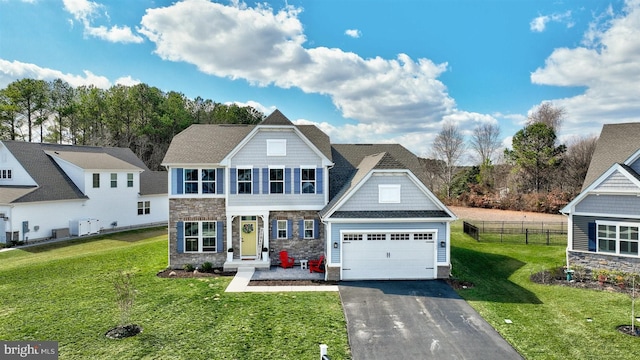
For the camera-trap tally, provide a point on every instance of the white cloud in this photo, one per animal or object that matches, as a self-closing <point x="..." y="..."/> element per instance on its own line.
<point x="354" y="33"/>
<point x="127" y="81"/>
<point x="13" y="70"/>
<point x="387" y="96"/>
<point x="86" y="12"/>
<point x="539" y="24"/>
<point x="606" y="66"/>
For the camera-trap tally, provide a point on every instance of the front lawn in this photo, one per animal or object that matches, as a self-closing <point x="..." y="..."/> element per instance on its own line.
<point x="64" y="293"/>
<point x="548" y="322"/>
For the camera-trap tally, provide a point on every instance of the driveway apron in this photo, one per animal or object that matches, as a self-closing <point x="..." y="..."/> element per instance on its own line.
<point x="416" y="320"/>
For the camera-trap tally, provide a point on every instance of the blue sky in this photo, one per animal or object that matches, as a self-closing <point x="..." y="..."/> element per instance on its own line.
<point x="363" y="71"/>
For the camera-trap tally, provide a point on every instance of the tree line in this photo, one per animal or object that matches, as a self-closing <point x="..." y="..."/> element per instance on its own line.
<point x="537" y="174"/>
<point x="140" y="117"/>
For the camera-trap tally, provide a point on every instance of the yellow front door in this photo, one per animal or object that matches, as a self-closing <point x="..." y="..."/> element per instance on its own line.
<point x="248" y="236"/>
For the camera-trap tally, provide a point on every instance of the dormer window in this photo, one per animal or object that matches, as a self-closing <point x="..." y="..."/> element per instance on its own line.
<point x="5" y="174"/>
<point x="276" y="147"/>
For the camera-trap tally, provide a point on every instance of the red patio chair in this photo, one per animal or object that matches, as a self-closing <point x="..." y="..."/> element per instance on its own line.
<point x="285" y="260"/>
<point x="317" y="265"/>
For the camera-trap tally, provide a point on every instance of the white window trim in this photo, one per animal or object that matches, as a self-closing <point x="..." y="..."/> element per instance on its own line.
<point x="315" y="179"/>
<point x="112" y="180"/>
<point x="146" y="205"/>
<point x="304" y="228"/>
<point x="286" y="229"/>
<point x="389" y="193"/>
<point x="617" y="239"/>
<point x="130" y="181"/>
<point x="238" y="168"/>
<point x="6" y="174"/>
<point x="276" y="147"/>
<point x="280" y="167"/>
<point x="200" y="237"/>
<point x="199" y="181"/>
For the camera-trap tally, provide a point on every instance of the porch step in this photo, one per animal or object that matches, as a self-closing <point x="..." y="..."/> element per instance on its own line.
<point x="237" y="265"/>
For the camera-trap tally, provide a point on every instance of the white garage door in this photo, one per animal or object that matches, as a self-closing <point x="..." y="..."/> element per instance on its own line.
<point x="388" y="255"/>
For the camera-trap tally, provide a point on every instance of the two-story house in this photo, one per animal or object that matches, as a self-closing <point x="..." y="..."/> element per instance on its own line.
<point x="236" y="189"/>
<point x="53" y="191"/>
<point x="604" y="219"/>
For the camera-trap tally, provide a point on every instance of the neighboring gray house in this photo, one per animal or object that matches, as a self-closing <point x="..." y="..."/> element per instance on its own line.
<point x="604" y="219"/>
<point x="286" y="187"/>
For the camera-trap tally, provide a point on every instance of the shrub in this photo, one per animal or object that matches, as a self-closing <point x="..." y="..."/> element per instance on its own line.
<point x="188" y="267"/>
<point x="206" y="267"/>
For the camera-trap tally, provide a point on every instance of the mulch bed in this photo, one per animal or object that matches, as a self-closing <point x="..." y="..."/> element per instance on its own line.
<point x="179" y="273"/>
<point x="121" y="332"/>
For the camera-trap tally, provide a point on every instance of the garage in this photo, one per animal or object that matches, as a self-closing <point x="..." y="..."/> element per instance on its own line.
<point x="380" y="255"/>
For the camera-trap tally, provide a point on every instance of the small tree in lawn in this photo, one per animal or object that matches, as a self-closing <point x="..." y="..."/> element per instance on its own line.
<point x="125" y="295"/>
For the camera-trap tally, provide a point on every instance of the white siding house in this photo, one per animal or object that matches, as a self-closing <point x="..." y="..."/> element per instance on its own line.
<point x="48" y="189"/>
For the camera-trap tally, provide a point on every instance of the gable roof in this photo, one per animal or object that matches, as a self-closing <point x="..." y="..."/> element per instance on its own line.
<point x="201" y="144"/>
<point x="92" y="161"/>
<point x="53" y="182"/>
<point x="369" y="163"/>
<point x="347" y="158"/>
<point x="276" y="118"/>
<point x="617" y="142"/>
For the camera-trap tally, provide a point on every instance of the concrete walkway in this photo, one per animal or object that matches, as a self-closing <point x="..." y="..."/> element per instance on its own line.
<point x="240" y="283"/>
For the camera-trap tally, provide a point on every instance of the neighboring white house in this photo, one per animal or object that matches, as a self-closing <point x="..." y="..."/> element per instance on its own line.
<point x="53" y="191"/>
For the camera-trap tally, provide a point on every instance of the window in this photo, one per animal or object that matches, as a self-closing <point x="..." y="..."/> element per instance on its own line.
<point x="144" y="207"/>
<point x="244" y="181"/>
<point x="96" y="180"/>
<point x="351" y="237"/>
<point x="402" y="236"/>
<point x="208" y="181"/>
<point x="190" y="181"/>
<point x="308" y="178"/>
<point x="423" y="236"/>
<point x="376" y="236"/>
<point x="276" y="147"/>
<point x="389" y="194"/>
<point x="191" y="236"/>
<point x="129" y="180"/>
<point x="309" y="225"/>
<point x="282" y="229"/>
<point x="114" y="180"/>
<point x="5" y="174"/>
<point x="200" y="236"/>
<point x="276" y="181"/>
<point x="618" y="238"/>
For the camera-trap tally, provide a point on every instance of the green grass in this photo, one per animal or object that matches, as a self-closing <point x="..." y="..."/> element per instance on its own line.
<point x="549" y="322"/>
<point x="63" y="292"/>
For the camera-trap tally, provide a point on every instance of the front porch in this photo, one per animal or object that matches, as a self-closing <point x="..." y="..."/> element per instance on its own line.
<point x="235" y="264"/>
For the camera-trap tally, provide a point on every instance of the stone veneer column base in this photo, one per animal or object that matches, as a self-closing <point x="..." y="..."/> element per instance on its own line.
<point x="333" y="273"/>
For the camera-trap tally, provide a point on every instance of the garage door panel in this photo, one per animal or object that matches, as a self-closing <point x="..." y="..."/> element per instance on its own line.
<point x="388" y="259"/>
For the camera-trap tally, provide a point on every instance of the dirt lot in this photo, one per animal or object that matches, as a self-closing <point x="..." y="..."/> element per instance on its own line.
<point x="465" y="213"/>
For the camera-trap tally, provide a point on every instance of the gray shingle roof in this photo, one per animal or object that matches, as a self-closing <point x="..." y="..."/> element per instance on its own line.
<point x="397" y="214"/>
<point x="53" y="183"/>
<point x="617" y="142"/>
<point x="210" y="143"/>
<point x="92" y="161"/>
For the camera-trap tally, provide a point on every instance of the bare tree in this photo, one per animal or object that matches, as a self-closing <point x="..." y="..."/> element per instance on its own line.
<point x="484" y="141"/>
<point x="448" y="146"/>
<point x="576" y="162"/>
<point x="549" y="115"/>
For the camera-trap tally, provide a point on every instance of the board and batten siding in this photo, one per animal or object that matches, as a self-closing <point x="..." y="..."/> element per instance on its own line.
<point x="440" y="227"/>
<point x="411" y="197"/>
<point x="616" y="181"/>
<point x="609" y="204"/>
<point x="255" y="151"/>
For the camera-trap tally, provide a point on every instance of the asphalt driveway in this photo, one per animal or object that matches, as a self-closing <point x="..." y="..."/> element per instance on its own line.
<point x="416" y="320"/>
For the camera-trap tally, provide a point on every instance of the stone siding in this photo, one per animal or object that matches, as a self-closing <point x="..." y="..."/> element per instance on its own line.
<point x="594" y="261"/>
<point x="297" y="246"/>
<point x="333" y="273"/>
<point x="443" y="272"/>
<point x="194" y="210"/>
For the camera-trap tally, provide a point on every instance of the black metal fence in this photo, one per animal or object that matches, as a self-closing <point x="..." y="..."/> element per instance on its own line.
<point x="526" y="232"/>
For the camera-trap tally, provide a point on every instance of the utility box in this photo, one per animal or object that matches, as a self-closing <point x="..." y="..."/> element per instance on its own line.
<point x="84" y="227"/>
